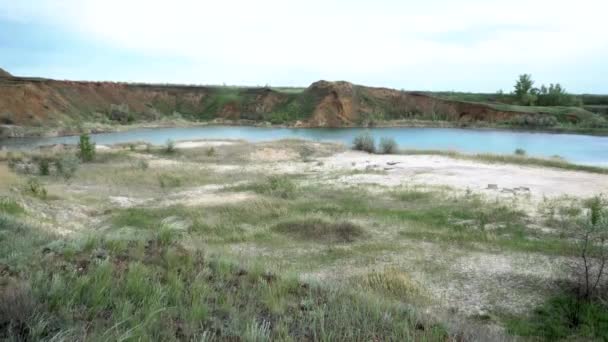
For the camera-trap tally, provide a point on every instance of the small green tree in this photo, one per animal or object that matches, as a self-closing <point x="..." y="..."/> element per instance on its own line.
<point x="86" y="148"/>
<point x="524" y="90"/>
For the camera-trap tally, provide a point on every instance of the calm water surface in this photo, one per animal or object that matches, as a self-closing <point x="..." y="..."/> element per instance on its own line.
<point x="584" y="149"/>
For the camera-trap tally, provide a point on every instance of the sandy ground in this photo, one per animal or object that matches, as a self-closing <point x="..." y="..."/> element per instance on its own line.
<point x="203" y="143"/>
<point x="463" y="174"/>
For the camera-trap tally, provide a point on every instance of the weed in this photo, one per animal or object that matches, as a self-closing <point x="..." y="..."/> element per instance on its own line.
<point x="43" y="166"/>
<point x="10" y="206"/>
<point x="210" y="152"/>
<point x="35" y="188"/>
<point x="388" y="145"/>
<point x="67" y="166"/>
<point x="364" y="142"/>
<point x="166" y="180"/>
<point x="170" y="146"/>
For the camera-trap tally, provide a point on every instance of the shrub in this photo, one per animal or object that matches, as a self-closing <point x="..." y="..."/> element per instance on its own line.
<point x="86" y="148"/>
<point x="35" y="188"/>
<point x="66" y="166"/>
<point x="388" y="145"/>
<point x="591" y="235"/>
<point x="279" y="186"/>
<point x="143" y="164"/>
<point x="210" y="152"/>
<point x="364" y="142"/>
<point x="170" y="146"/>
<point x="520" y="152"/>
<point x="43" y="166"/>
<point x="169" y="181"/>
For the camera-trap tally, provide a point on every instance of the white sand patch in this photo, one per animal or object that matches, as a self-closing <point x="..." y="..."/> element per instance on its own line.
<point x="203" y="143"/>
<point x="272" y="154"/>
<point x="464" y="174"/>
<point x="102" y="147"/>
<point x="207" y="195"/>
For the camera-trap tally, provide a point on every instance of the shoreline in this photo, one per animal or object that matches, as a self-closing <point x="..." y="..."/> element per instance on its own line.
<point x="16" y="132"/>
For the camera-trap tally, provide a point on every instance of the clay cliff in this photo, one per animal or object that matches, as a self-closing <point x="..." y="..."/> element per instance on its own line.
<point x="42" y="102"/>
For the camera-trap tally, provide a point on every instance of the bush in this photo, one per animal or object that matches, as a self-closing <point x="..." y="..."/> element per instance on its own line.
<point x="170" y="146"/>
<point x="86" y="148"/>
<point x="210" y="152"/>
<point x="169" y="181"/>
<point x="564" y="317"/>
<point x="43" y="166"/>
<point x="35" y="188"/>
<point x="591" y="235"/>
<point x="388" y="146"/>
<point x="520" y="152"/>
<point x="364" y="142"/>
<point x="143" y="164"/>
<point x="66" y="166"/>
<point x="277" y="186"/>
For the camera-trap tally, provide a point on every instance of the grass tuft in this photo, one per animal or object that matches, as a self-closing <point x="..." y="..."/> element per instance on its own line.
<point x="316" y="229"/>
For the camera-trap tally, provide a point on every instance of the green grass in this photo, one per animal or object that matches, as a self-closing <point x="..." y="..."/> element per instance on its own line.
<point x="154" y="289"/>
<point x="10" y="206"/>
<point x="563" y="318"/>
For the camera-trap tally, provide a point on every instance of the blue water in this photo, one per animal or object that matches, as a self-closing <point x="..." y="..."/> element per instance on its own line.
<point x="583" y="149"/>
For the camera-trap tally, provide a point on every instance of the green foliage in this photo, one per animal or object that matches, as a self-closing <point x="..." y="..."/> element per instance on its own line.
<point x="44" y="166"/>
<point x="520" y="152"/>
<point x="523" y="90"/>
<point x="170" y="146"/>
<point x="86" y="148"/>
<point x="364" y="142"/>
<point x="388" y="145"/>
<point x="10" y="206"/>
<point x="564" y="317"/>
<point x="276" y="186"/>
<point x="556" y="95"/>
<point x="66" y="166"/>
<point x="35" y="188"/>
<point x="210" y="152"/>
<point x="533" y="121"/>
<point x="157" y="290"/>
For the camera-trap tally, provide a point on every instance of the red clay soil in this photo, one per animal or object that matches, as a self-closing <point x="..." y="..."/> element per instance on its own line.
<point x="34" y="101"/>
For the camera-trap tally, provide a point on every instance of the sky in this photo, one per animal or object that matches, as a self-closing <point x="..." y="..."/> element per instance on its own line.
<point x="465" y="45"/>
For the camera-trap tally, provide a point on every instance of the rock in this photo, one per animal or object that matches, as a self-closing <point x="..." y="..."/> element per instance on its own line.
<point x="392" y="163"/>
<point x="522" y="188"/>
<point x="492" y="186"/>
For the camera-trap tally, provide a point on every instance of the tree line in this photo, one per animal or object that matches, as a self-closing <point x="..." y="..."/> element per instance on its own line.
<point x="553" y="95"/>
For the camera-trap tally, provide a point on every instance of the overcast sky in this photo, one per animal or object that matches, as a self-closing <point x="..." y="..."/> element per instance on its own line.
<point x="467" y="45"/>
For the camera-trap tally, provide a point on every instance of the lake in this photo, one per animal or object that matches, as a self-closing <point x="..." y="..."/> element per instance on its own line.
<point x="582" y="149"/>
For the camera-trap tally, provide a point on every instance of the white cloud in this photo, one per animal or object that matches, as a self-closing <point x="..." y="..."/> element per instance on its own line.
<point x="345" y="39"/>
